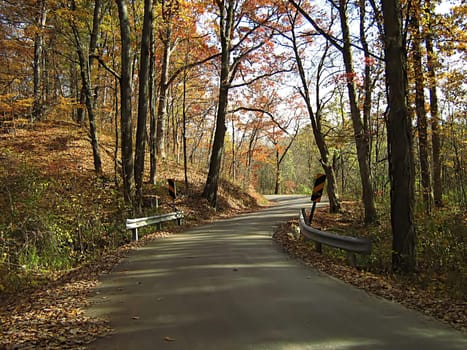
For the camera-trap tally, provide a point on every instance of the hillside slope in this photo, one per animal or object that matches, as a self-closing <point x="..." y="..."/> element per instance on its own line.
<point x="59" y="214"/>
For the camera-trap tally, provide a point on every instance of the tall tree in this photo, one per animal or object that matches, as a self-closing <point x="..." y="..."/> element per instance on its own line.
<point x="226" y="30"/>
<point x="152" y="112"/>
<point x="170" y="9"/>
<point x="419" y="82"/>
<point x="361" y="135"/>
<point x="85" y="63"/>
<point x="243" y="22"/>
<point x="315" y="115"/>
<point x="41" y="17"/>
<point x="125" y="103"/>
<point x="401" y="172"/>
<point x="434" y="109"/>
<point x="143" y="102"/>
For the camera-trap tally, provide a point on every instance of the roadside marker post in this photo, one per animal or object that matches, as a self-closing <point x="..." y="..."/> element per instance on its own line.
<point x="317" y="193"/>
<point x="172" y="190"/>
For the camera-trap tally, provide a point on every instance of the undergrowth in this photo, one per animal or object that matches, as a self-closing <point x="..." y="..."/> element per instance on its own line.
<point x="53" y="224"/>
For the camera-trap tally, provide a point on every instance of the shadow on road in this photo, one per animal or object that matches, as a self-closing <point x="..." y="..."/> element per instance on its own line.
<point x="226" y="286"/>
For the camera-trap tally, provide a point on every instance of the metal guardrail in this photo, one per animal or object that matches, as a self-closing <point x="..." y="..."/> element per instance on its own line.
<point x="134" y="224"/>
<point x="350" y="244"/>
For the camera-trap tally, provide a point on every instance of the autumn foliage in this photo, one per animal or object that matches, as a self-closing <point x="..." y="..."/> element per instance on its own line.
<point x="98" y="106"/>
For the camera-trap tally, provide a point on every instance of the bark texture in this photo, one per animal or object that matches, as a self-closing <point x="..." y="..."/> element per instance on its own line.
<point x="401" y="169"/>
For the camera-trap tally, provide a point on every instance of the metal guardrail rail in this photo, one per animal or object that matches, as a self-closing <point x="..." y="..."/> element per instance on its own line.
<point x="350" y="244"/>
<point x="134" y="224"/>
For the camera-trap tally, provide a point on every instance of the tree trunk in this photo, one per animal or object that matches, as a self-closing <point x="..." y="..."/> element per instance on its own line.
<point x="331" y="187"/>
<point x="117" y="137"/>
<point x="227" y="12"/>
<point x="37" y="108"/>
<point x="212" y="182"/>
<point x="184" y="121"/>
<point x="85" y="68"/>
<point x="162" y="105"/>
<point x="152" y="108"/>
<point x="334" y="204"/>
<point x="277" y="185"/>
<point x="420" y="111"/>
<point x="82" y="102"/>
<point x="401" y="169"/>
<point x="125" y="103"/>
<point x="143" y="103"/>
<point x="434" y="111"/>
<point x="360" y="133"/>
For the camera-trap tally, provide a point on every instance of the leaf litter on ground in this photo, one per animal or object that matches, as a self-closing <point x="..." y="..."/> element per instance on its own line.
<point x="434" y="303"/>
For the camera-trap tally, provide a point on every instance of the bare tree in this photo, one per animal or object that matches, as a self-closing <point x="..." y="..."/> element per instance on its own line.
<point x="316" y="115"/>
<point x="362" y="140"/>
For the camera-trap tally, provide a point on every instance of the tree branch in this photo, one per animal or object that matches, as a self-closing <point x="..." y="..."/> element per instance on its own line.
<point x="106" y="67"/>
<point x="260" y="110"/>
<point x="191" y="65"/>
<point x="328" y="37"/>
<point x="261" y="77"/>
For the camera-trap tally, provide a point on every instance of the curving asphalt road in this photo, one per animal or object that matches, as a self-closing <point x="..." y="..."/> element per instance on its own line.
<point x="227" y="286"/>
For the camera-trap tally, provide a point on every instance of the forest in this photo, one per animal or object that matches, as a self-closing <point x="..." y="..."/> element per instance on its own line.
<point x="262" y="94"/>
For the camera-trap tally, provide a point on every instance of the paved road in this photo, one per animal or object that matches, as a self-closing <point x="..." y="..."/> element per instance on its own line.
<point x="227" y="286"/>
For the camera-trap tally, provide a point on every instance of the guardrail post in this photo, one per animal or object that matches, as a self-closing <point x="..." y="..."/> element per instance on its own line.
<point x="318" y="247"/>
<point x="135" y="234"/>
<point x="352" y="259"/>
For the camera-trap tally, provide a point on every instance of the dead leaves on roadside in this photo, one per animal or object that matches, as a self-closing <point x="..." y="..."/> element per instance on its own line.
<point x="437" y="305"/>
<point x="52" y="319"/>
